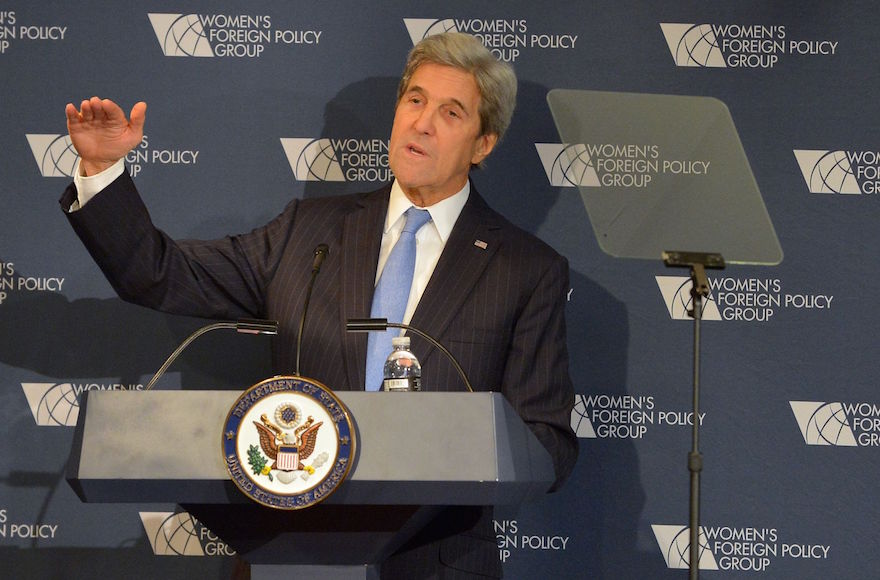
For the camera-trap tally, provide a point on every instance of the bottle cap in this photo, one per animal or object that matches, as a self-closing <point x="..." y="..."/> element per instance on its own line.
<point x="400" y="341"/>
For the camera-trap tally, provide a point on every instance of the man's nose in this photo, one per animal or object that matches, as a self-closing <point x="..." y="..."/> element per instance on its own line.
<point x="424" y="123"/>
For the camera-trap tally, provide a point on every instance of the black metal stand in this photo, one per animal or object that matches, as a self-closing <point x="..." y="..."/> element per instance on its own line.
<point x="697" y="262"/>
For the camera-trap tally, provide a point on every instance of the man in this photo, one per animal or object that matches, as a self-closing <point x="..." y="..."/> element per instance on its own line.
<point x="493" y="294"/>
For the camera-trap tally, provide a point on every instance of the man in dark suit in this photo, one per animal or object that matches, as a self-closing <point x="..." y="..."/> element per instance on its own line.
<point x="493" y="294"/>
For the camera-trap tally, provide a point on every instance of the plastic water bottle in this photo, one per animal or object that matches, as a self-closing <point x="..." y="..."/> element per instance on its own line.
<point x="402" y="369"/>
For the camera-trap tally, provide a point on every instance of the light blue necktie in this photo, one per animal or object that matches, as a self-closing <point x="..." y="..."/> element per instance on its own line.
<point x="392" y="294"/>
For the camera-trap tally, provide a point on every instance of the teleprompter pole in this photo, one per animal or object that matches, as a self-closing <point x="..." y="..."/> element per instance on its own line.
<point x="697" y="262"/>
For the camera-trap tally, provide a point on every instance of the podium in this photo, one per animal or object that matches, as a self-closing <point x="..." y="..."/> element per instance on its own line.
<point x="416" y="454"/>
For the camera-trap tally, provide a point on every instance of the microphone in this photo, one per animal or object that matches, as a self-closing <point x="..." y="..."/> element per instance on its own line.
<point x="244" y="326"/>
<point x="382" y="324"/>
<point x="321" y="252"/>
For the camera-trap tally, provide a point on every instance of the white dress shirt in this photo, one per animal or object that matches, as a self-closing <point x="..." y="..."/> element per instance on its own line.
<point x="89" y="187"/>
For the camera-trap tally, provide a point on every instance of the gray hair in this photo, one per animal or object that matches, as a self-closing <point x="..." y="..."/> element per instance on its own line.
<point x="495" y="80"/>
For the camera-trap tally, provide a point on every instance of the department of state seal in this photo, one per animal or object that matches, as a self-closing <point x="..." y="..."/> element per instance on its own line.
<point x="288" y="442"/>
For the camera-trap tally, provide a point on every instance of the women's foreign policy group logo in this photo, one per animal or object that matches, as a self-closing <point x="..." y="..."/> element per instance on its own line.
<point x="288" y="442"/>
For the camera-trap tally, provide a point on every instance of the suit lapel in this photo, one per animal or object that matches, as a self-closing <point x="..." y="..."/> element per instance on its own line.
<point x="361" y="238"/>
<point x="470" y="247"/>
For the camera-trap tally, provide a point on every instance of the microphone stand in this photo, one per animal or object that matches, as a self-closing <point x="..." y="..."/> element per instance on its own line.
<point x="697" y="262"/>
<point x="382" y="324"/>
<point x="320" y="253"/>
<point x="244" y="326"/>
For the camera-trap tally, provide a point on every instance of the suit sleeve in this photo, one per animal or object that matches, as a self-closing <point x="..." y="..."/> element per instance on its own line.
<point x="536" y="377"/>
<point x="223" y="278"/>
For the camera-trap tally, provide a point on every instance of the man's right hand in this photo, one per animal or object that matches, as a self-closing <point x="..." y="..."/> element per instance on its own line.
<point x="101" y="134"/>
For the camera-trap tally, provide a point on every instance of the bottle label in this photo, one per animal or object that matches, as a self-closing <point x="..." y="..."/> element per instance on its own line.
<point x="396" y="385"/>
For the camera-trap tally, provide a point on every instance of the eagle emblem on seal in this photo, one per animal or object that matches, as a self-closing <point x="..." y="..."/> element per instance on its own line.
<point x="288" y="451"/>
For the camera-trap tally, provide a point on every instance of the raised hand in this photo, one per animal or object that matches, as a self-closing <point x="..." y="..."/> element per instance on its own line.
<point x="101" y="134"/>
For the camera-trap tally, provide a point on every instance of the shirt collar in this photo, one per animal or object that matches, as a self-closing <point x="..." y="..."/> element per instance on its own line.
<point x="443" y="213"/>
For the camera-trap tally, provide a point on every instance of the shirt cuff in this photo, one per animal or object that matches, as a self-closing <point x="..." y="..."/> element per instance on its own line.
<point x="89" y="187"/>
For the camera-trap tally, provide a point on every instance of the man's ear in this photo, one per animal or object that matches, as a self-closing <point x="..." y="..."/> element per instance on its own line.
<point x="485" y="145"/>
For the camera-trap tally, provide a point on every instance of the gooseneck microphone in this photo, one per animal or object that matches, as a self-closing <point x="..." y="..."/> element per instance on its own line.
<point x="320" y="253"/>
<point x="244" y="326"/>
<point x="381" y="324"/>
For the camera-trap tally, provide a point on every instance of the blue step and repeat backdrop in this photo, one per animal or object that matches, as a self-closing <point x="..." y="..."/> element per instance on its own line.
<point x="237" y="91"/>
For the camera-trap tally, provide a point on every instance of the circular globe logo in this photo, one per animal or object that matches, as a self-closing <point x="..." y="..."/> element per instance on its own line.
<point x="573" y="166"/>
<point x="440" y="27"/>
<point x="317" y="162"/>
<point x="186" y="36"/>
<point x="679" y="552"/>
<point x="59" y="405"/>
<point x="580" y="421"/>
<point x="699" y="46"/>
<point x="59" y="158"/>
<point x="833" y="174"/>
<point x="828" y="425"/>
<point x="178" y="535"/>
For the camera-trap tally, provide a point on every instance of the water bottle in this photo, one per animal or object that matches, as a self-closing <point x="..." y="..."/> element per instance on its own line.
<point x="402" y="369"/>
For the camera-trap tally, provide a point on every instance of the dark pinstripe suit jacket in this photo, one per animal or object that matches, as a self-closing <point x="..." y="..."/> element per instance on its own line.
<point x="496" y="300"/>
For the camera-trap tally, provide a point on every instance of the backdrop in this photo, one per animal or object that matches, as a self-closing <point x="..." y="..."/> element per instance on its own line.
<point x="243" y="95"/>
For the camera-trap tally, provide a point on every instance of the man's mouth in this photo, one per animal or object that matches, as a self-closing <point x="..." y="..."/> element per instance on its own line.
<point x="415" y="149"/>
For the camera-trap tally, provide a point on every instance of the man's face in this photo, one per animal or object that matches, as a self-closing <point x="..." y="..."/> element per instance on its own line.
<point x="436" y="133"/>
